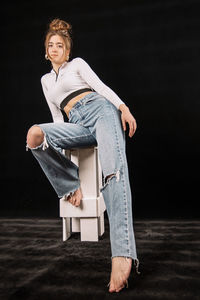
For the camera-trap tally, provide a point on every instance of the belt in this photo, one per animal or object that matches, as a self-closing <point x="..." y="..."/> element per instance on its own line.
<point x="72" y="95"/>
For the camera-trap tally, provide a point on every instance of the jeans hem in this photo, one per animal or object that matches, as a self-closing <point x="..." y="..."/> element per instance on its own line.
<point x="70" y="193"/>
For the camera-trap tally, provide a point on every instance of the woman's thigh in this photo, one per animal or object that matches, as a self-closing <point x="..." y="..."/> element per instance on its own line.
<point x="111" y="140"/>
<point x="103" y="120"/>
<point x="67" y="135"/>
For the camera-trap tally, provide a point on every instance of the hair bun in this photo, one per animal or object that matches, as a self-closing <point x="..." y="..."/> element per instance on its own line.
<point x="60" y="26"/>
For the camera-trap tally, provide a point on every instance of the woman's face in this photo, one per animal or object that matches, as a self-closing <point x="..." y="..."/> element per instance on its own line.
<point x="56" y="49"/>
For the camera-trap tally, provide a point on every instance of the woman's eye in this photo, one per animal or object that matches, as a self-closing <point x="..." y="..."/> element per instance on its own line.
<point x="60" y="46"/>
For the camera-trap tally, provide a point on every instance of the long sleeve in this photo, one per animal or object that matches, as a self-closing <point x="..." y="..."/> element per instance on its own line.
<point x="95" y="82"/>
<point x="57" y="115"/>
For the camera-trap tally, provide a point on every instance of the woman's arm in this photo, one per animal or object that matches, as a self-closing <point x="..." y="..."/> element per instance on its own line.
<point x="94" y="82"/>
<point x="57" y="115"/>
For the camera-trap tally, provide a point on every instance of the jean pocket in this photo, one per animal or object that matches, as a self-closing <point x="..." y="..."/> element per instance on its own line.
<point x="90" y="97"/>
<point x="89" y="100"/>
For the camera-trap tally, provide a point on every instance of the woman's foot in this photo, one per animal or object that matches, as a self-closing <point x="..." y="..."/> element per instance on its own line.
<point x="75" y="199"/>
<point x="121" y="268"/>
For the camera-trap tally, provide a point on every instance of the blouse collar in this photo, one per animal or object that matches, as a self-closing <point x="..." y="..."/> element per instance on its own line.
<point x="60" y="68"/>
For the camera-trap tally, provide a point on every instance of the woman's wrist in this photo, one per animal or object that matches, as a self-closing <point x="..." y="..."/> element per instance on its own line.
<point x="123" y="107"/>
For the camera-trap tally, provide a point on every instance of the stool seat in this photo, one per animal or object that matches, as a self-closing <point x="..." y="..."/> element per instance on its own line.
<point x="88" y="218"/>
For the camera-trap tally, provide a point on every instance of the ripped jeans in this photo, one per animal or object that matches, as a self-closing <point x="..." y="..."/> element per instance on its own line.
<point x="93" y="120"/>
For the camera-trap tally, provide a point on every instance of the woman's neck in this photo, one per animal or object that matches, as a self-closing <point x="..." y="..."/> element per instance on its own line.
<point x="56" y="67"/>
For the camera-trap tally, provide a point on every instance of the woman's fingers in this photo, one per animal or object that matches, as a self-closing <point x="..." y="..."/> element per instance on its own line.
<point x="134" y="126"/>
<point x="131" y="130"/>
<point x="124" y="124"/>
<point x="131" y="121"/>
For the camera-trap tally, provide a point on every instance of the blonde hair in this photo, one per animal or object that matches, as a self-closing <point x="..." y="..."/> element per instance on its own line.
<point x="61" y="28"/>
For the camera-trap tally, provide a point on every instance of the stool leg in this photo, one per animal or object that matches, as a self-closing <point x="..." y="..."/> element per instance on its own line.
<point x="101" y="228"/>
<point x="66" y="228"/>
<point x="89" y="229"/>
<point x="75" y="224"/>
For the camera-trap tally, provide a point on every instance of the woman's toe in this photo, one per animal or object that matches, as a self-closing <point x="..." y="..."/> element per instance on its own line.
<point x="77" y="203"/>
<point x="112" y="287"/>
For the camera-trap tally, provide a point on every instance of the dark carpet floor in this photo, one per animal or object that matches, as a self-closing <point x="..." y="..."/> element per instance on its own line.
<point x="36" y="264"/>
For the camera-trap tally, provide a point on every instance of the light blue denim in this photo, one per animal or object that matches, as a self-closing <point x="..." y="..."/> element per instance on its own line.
<point x="93" y="120"/>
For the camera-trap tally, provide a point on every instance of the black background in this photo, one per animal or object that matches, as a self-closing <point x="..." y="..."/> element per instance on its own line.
<point x="148" y="53"/>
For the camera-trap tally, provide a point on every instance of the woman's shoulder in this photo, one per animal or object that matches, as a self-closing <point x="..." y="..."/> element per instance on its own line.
<point x="78" y="60"/>
<point x="45" y="77"/>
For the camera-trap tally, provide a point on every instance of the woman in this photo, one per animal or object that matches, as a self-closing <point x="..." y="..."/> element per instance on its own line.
<point x="96" y="115"/>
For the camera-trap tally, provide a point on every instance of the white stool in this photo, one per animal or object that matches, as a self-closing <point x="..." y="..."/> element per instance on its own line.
<point x="88" y="218"/>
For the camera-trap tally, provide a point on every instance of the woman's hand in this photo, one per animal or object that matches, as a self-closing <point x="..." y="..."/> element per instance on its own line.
<point x="126" y="116"/>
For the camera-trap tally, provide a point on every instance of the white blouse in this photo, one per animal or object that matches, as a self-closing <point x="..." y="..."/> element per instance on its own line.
<point x="73" y="75"/>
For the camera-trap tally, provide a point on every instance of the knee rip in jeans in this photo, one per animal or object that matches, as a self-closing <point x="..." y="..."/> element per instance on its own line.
<point x="44" y="145"/>
<point x="109" y="177"/>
